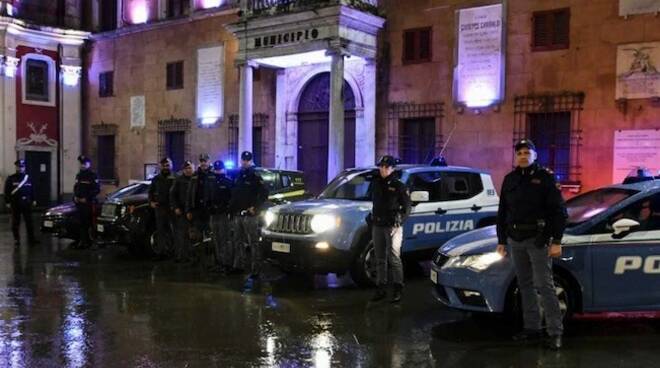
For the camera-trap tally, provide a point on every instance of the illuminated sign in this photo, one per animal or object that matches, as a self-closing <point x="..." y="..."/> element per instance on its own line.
<point x="210" y="84"/>
<point x="286" y="38"/>
<point x="479" y="71"/>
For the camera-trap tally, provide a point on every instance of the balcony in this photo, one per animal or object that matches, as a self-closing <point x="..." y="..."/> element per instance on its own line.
<point x="257" y="8"/>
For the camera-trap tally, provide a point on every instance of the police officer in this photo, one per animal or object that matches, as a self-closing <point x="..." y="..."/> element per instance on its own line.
<point x="391" y="207"/>
<point x="19" y="197"/>
<point x="199" y="196"/>
<point x="247" y="197"/>
<point x="85" y="191"/>
<point x="531" y="220"/>
<point x="220" y="219"/>
<point x="178" y="201"/>
<point x="159" y="200"/>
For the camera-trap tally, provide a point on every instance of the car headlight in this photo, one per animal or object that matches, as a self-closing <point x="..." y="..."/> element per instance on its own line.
<point x="478" y="262"/>
<point x="269" y="217"/>
<point x="323" y="223"/>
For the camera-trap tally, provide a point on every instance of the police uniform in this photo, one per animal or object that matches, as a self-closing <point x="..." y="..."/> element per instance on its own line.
<point x="220" y="219"/>
<point x="391" y="207"/>
<point x="199" y="198"/>
<point x="19" y="196"/>
<point x="248" y="192"/>
<point x="159" y="196"/>
<point x="178" y="201"/>
<point x="85" y="190"/>
<point x="532" y="215"/>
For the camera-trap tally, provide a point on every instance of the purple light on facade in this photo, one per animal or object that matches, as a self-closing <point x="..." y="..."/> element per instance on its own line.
<point x="139" y="12"/>
<point x="206" y="4"/>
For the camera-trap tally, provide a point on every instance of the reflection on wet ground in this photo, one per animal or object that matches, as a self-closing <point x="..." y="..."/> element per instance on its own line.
<point x="102" y="308"/>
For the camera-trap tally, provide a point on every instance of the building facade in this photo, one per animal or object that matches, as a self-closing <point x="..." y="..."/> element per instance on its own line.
<point x="322" y="85"/>
<point x="40" y="93"/>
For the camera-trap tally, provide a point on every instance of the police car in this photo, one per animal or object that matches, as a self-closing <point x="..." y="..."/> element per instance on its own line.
<point x="610" y="259"/>
<point x="329" y="234"/>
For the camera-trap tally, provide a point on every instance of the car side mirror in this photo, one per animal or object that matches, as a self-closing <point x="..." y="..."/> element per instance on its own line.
<point x="623" y="227"/>
<point x="419" y="196"/>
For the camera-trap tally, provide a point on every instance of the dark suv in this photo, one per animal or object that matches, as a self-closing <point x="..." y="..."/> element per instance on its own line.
<point x="130" y="222"/>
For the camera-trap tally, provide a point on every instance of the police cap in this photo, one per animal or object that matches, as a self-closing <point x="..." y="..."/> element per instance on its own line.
<point x="218" y="165"/>
<point x="187" y="163"/>
<point x="387" y="160"/>
<point x="19" y="163"/>
<point x="204" y="157"/>
<point x="246" y="156"/>
<point x="165" y="161"/>
<point x="84" y="159"/>
<point x="525" y="143"/>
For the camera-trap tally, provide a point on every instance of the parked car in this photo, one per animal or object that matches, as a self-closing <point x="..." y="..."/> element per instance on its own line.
<point x="130" y="222"/>
<point x="329" y="234"/>
<point x="610" y="259"/>
<point x="62" y="220"/>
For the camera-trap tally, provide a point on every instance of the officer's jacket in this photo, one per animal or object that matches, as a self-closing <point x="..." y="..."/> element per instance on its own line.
<point x="201" y="189"/>
<point x="529" y="197"/>
<point x="248" y="191"/>
<point x="159" y="190"/>
<point x="87" y="185"/>
<point x="23" y="195"/>
<point x="221" y="194"/>
<point x="179" y="193"/>
<point x="391" y="201"/>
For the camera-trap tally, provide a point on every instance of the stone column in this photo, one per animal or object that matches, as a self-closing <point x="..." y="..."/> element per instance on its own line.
<point x="72" y="137"/>
<point x="245" y="108"/>
<point x="365" y="140"/>
<point x="280" y="121"/>
<point x="8" y="114"/>
<point x="336" y="125"/>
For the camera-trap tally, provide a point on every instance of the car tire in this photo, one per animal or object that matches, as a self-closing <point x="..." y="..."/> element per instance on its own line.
<point x="363" y="268"/>
<point x="565" y="293"/>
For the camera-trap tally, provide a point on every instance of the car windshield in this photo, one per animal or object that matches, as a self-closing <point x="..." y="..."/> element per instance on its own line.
<point x="133" y="189"/>
<point x="352" y="185"/>
<point x="584" y="207"/>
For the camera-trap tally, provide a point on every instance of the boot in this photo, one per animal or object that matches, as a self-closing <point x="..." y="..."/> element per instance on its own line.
<point x="380" y="294"/>
<point x="397" y="293"/>
<point x="554" y="342"/>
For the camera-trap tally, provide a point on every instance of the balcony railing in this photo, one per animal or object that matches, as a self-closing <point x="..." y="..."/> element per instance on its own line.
<point x="273" y="7"/>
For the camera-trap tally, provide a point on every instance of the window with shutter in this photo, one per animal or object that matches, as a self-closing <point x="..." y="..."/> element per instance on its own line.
<point x="551" y="29"/>
<point x="106" y="88"/>
<point x="417" y="45"/>
<point x="175" y="75"/>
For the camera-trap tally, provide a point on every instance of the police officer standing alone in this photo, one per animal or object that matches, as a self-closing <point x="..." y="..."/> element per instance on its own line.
<point x="391" y="207"/>
<point x="248" y="195"/>
<point x="19" y="197"/>
<point x="85" y="191"/>
<point x="220" y="220"/>
<point x="178" y="201"/>
<point x="531" y="220"/>
<point x="159" y="200"/>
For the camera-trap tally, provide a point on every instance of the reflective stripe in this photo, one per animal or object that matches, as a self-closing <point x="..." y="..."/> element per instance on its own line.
<point x="286" y="195"/>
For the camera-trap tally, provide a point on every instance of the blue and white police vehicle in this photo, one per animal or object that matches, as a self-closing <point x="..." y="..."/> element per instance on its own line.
<point x="610" y="259"/>
<point x="329" y="234"/>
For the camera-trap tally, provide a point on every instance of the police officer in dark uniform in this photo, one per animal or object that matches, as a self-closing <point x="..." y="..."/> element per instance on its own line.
<point x="159" y="200"/>
<point x="85" y="191"/>
<point x="531" y="220"/>
<point x="391" y="207"/>
<point x="199" y="196"/>
<point x="19" y="197"/>
<point x="220" y="219"/>
<point x="247" y="197"/>
<point x="178" y="201"/>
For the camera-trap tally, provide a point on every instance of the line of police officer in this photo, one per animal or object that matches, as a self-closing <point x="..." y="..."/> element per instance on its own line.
<point x="195" y="204"/>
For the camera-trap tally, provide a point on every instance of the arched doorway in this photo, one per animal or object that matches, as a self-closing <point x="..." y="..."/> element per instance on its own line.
<point x="313" y="122"/>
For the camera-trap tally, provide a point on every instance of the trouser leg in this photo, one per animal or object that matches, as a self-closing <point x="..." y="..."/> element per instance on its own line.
<point x="394" y="256"/>
<point x="85" y="218"/>
<point x="238" y="243"/>
<point x="254" y="244"/>
<point x="544" y="284"/>
<point x="163" y="233"/>
<point x="525" y="276"/>
<point x="380" y="239"/>
<point x="16" y="221"/>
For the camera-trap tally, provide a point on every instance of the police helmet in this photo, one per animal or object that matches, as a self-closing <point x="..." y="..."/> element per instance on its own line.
<point x="166" y="161"/>
<point x="187" y="163"/>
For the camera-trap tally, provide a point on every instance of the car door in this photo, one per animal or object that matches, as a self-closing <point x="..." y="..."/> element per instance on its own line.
<point x="626" y="268"/>
<point x="434" y="222"/>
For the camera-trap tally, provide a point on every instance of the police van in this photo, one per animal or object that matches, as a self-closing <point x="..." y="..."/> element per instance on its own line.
<point x="610" y="258"/>
<point x="329" y="234"/>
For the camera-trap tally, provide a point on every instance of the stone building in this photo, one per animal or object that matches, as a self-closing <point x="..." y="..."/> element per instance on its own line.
<point x="40" y="92"/>
<point x="181" y="77"/>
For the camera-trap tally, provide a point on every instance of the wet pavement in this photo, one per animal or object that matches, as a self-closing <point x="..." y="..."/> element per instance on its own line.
<point x="102" y="308"/>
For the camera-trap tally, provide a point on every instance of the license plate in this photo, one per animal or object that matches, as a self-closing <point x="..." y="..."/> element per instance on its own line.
<point x="100" y="228"/>
<point x="434" y="277"/>
<point x="48" y="224"/>
<point x="281" y="247"/>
